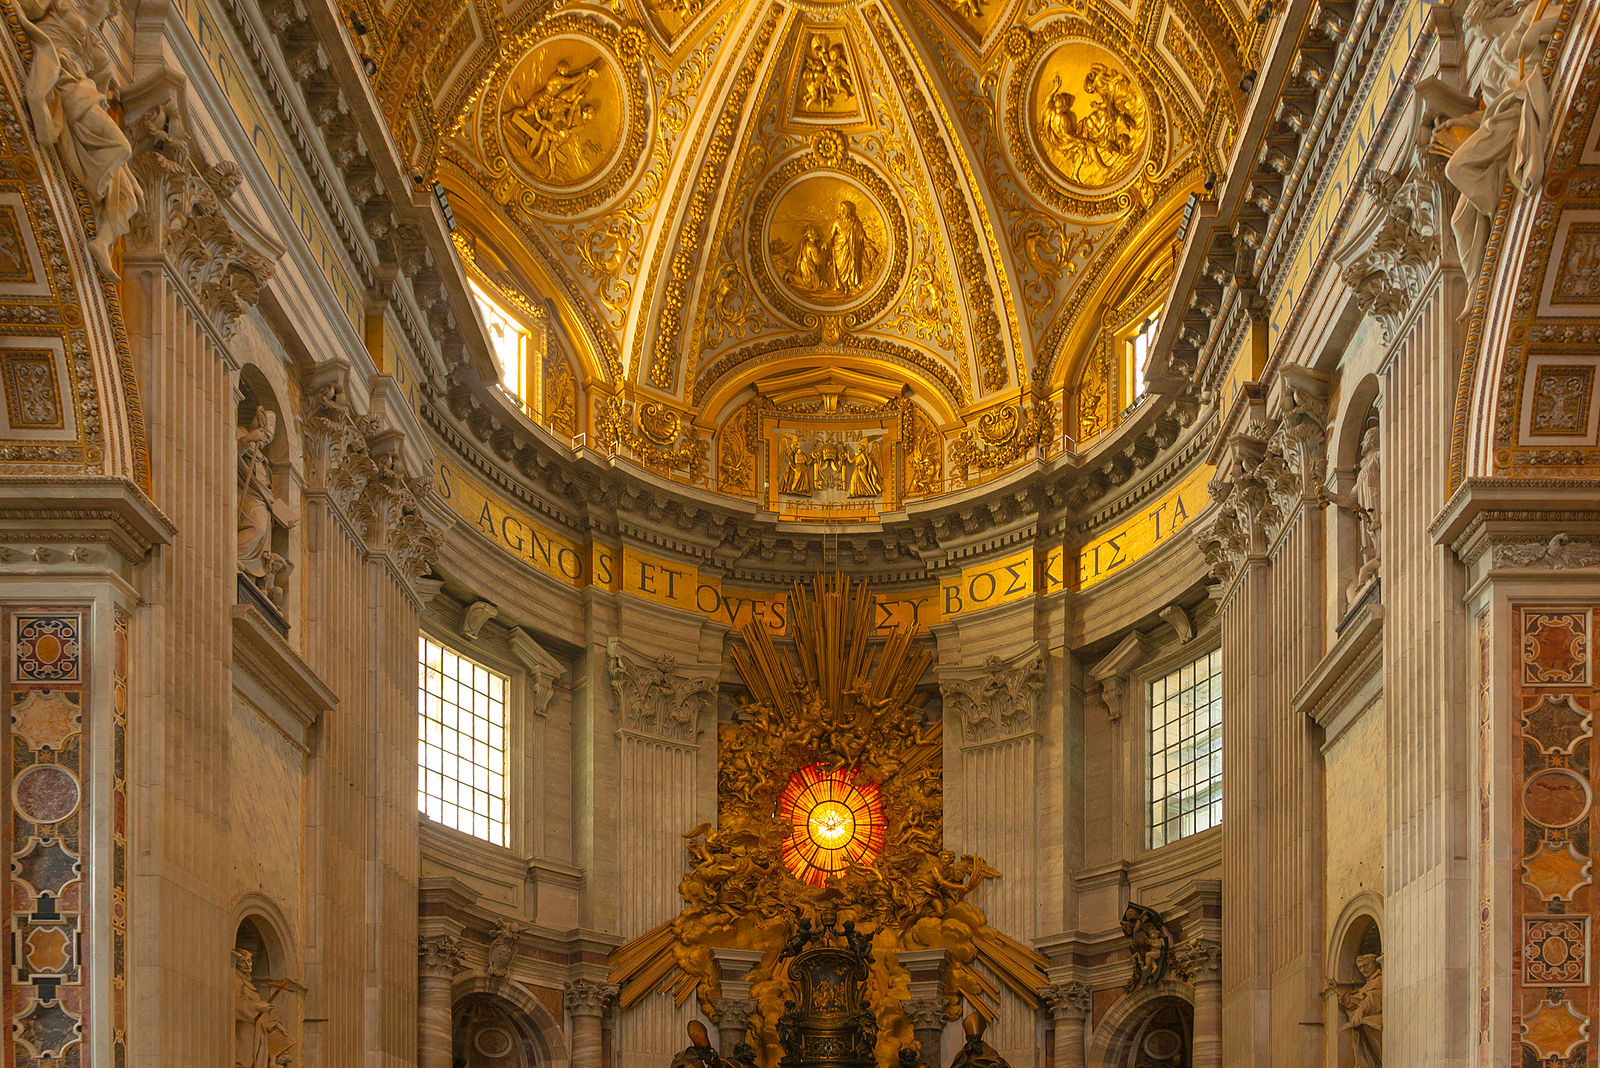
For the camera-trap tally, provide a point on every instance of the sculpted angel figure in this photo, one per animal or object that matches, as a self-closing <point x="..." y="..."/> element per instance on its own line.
<point x="797" y="467"/>
<point x="67" y="87"/>
<point x="866" y="480"/>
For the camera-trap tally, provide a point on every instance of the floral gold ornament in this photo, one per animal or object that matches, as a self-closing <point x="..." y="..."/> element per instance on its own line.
<point x="828" y="243"/>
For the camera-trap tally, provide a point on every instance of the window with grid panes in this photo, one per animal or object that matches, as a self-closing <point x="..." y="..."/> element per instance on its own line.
<point x="1186" y="750"/>
<point x="461" y="743"/>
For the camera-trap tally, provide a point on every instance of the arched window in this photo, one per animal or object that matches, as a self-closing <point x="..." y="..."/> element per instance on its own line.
<point x="1136" y="357"/>
<point x="512" y="343"/>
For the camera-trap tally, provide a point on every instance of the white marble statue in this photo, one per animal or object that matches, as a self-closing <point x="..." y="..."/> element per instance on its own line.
<point x="66" y="89"/>
<point x="1505" y="138"/>
<point x="1363" y="501"/>
<point x="255" y="496"/>
<point x="1362" y="1005"/>
<point x="256" y="1031"/>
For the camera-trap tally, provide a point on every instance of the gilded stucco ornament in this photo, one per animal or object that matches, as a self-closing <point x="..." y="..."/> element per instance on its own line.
<point x="828" y="241"/>
<point x="564" y="122"/>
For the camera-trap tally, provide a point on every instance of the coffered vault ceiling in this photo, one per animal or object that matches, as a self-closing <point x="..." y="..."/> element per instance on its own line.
<point x="828" y="208"/>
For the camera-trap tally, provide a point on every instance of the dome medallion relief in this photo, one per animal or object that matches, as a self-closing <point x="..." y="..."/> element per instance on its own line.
<point x="1080" y="122"/>
<point x="828" y="240"/>
<point x="567" y="116"/>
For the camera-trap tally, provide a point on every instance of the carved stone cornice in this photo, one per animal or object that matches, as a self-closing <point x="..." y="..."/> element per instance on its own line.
<point x="584" y="997"/>
<point x="221" y="259"/>
<point x="439" y="956"/>
<point x="543" y="669"/>
<point x="1068" y="1000"/>
<point x="655" y="698"/>
<point x="1000" y="701"/>
<point x="77" y="523"/>
<point x="1116" y="668"/>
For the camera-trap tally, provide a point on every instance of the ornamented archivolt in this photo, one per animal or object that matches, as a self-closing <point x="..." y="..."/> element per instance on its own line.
<point x="841" y="710"/>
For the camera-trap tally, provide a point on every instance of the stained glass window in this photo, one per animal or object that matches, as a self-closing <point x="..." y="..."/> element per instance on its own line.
<point x="834" y="821"/>
<point x="461" y="743"/>
<point x="1186" y="750"/>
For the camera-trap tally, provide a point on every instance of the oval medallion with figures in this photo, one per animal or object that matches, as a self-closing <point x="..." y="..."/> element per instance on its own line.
<point x="1087" y="116"/>
<point x="563" y="111"/>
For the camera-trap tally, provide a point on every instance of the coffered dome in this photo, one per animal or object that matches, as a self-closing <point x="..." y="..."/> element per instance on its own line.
<point x="827" y="257"/>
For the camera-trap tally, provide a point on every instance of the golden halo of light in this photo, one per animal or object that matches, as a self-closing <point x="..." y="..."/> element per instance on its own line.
<point x="833" y="821"/>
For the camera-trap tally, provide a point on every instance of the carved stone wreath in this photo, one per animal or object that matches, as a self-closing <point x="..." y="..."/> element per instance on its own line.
<point x="619" y="51"/>
<point x="1035" y="52"/>
<point x="778" y="295"/>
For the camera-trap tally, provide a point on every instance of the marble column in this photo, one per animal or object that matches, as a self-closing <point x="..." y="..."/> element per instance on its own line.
<point x="734" y="1005"/>
<point x="1069" y="1003"/>
<point x="438" y="956"/>
<point x="927" y="1016"/>
<point x="587" y="1003"/>
<point x="1202" y="959"/>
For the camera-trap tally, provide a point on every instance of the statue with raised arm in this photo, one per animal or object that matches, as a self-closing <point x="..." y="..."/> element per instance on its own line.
<point x="1362" y="1005"/>
<point x="67" y="87"/>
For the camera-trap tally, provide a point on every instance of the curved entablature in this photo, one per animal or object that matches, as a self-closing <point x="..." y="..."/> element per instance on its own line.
<point x="960" y="210"/>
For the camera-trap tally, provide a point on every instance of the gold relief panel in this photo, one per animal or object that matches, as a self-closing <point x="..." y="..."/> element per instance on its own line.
<point x="1559" y="406"/>
<point x="564" y="122"/>
<point x="670" y="18"/>
<point x="924" y="455"/>
<point x="33" y="376"/>
<point x="738" y="452"/>
<point x="830" y="471"/>
<point x="1080" y="122"/>
<point x="828" y="243"/>
<point x="560" y="406"/>
<point x="824" y="83"/>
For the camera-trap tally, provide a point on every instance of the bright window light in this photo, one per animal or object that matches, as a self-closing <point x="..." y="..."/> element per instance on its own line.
<point x="510" y="342"/>
<point x="1186" y="750"/>
<point x="461" y="743"/>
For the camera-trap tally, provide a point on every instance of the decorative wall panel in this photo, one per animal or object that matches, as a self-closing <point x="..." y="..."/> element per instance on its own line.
<point x="1554" y="996"/>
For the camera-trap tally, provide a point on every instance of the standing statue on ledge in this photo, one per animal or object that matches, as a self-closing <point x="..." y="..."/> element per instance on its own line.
<point x="256" y="558"/>
<point x="1362" y="1005"/>
<point x="1363" y="501"/>
<point x="66" y="90"/>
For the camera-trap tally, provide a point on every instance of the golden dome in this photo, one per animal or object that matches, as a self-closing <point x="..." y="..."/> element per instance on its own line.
<point x="828" y="257"/>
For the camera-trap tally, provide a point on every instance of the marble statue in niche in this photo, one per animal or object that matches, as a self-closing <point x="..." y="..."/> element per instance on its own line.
<point x="1363" y="502"/>
<point x="266" y="569"/>
<point x="1361" y="1003"/>
<point x="67" y="89"/>
<point x="260" y="1041"/>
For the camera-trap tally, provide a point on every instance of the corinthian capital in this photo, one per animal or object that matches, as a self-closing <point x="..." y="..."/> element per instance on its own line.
<point x="925" y="1014"/>
<point x="439" y="955"/>
<point x="1001" y="700"/>
<point x="1071" y="998"/>
<point x="584" y="997"/>
<point x="654" y="697"/>
<point x="1200" y="960"/>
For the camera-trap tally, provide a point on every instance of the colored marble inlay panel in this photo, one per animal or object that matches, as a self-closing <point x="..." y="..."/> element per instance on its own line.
<point x="119" y="838"/>
<point x="1554" y="998"/>
<point x="45" y="917"/>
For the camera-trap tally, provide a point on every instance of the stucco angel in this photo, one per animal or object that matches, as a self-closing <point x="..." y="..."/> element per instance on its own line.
<point x="67" y="88"/>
